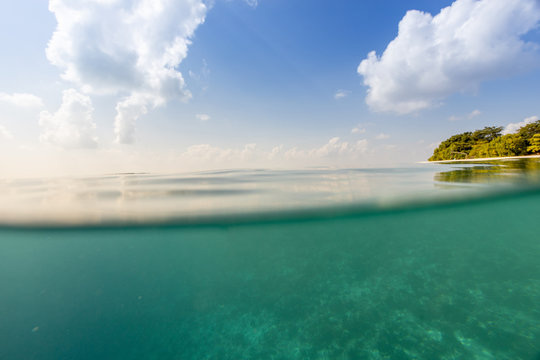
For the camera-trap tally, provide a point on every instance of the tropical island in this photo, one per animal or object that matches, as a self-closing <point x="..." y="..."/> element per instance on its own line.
<point x="490" y="142"/>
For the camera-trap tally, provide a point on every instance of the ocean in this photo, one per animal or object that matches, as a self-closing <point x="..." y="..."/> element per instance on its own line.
<point x="426" y="262"/>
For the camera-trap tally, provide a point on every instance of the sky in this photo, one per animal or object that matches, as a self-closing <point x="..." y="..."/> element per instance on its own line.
<point x="107" y="86"/>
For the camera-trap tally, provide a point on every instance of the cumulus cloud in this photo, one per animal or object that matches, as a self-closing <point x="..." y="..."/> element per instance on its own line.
<point x="340" y="94"/>
<point x="474" y="113"/>
<point x="514" y="127"/>
<point x="334" y="146"/>
<point x="334" y="149"/>
<point x="358" y="130"/>
<point x="434" y="56"/>
<point x="203" y="117"/>
<point x="72" y="125"/>
<point x="382" y="136"/>
<point x="22" y="100"/>
<point x="5" y="134"/>
<point x="130" y="48"/>
<point x="209" y="153"/>
<point x="127" y="112"/>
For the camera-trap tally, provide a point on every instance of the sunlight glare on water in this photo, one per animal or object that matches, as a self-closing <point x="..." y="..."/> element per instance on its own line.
<point x="196" y="197"/>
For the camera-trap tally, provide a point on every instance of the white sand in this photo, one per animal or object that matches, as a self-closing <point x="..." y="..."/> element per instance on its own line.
<point x="481" y="159"/>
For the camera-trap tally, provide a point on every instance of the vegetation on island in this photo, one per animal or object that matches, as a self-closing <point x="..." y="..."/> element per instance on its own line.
<point x="489" y="142"/>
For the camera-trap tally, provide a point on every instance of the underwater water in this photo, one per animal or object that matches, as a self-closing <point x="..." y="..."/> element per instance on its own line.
<point x="436" y="262"/>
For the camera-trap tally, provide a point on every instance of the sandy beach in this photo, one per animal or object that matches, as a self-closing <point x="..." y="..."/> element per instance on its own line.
<point x="481" y="159"/>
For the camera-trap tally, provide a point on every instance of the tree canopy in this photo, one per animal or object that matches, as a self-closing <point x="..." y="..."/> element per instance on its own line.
<point x="489" y="142"/>
<point x="534" y="146"/>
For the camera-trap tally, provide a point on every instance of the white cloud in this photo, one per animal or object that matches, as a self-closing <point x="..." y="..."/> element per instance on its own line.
<point x="514" y="127"/>
<point x="469" y="116"/>
<point x="276" y="150"/>
<point x="474" y="113"/>
<point x="209" y="153"/>
<point x="358" y="130"/>
<point x="333" y="148"/>
<point x="72" y="125"/>
<point x="203" y="117"/>
<point x="382" y="136"/>
<point x="361" y="146"/>
<point x="5" y="134"/>
<point x="340" y="94"/>
<point x="434" y="56"/>
<point x="251" y="154"/>
<point x="125" y="47"/>
<point x="252" y="3"/>
<point x="128" y="111"/>
<point x="22" y="100"/>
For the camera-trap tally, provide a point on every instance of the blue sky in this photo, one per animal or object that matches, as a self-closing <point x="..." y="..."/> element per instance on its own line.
<point x="92" y="86"/>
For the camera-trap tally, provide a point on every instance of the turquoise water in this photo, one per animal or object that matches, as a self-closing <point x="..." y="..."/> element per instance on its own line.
<point x="449" y="270"/>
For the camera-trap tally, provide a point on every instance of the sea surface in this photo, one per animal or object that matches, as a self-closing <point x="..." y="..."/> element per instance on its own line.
<point x="426" y="262"/>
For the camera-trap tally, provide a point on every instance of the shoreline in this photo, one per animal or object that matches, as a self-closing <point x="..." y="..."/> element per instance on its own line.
<point x="480" y="159"/>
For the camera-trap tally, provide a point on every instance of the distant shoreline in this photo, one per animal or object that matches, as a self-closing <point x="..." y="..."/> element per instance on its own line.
<point x="481" y="159"/>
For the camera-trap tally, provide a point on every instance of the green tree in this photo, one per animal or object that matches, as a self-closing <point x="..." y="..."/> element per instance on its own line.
<point x="479" y="151"/>
<point x="529" y="130"/>
<point x="456" y="147"/>
<point x="534" y="146"/>
<point x="488" y="142"/>
<point x="507" y="145"/>
<point x="487" y="134"/>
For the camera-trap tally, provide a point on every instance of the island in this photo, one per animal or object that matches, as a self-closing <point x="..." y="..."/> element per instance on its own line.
<point x="490" y="142"/>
